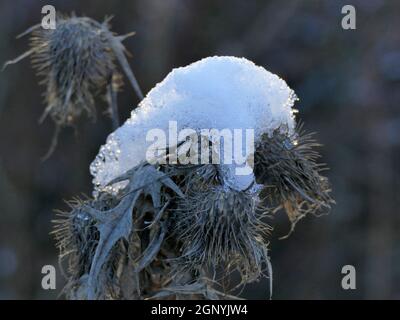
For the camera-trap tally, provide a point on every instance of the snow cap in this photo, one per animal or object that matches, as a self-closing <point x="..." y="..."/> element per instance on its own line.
<point x="213" y="93"/>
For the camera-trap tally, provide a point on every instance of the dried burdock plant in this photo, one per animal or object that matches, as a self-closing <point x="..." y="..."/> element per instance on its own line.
<point x="172" y="230"/>
<point x="219" y="227"/>
<point x="287" y="167"/>
<point x="77" y="61"/>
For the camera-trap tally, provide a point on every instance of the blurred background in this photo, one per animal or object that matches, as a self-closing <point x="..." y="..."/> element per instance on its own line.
<point x="348" y="83"/>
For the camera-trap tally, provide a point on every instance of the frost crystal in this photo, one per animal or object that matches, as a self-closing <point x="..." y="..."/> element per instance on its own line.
<point x="213" y="93"/>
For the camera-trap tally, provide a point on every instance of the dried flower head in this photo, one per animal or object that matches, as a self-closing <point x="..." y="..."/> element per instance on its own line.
<point x="76" y="61"/>
<point x="286" y="165"/>
<point x="219" y="227"/>
<point x="167" y="230"/>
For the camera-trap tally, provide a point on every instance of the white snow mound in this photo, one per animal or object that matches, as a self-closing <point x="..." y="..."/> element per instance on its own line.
<point x="213" y="93"/>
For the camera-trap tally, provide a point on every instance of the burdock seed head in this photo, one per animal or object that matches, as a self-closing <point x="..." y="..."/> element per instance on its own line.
<point x="220" y="228"/>
<point x="77" y="61"/>
<point x="286" y="165"/>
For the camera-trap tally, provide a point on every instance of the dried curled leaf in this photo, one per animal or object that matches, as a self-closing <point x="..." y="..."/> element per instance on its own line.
<point x="118" y="222"/>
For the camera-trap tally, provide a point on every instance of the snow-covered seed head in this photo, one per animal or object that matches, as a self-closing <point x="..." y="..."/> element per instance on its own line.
<point x="221" y="93"/>
<point x="225" y="93"/>
<point x="218" y="218"/>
